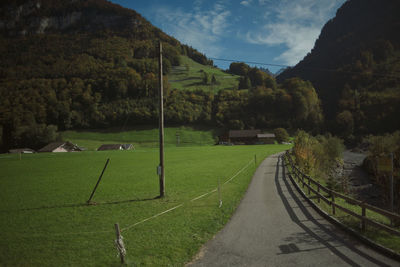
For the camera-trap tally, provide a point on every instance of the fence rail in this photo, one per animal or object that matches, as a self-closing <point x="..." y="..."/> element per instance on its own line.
<point x="330" y="196"/>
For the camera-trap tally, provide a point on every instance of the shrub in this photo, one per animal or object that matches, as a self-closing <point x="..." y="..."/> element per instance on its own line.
<point x="281" y="135"/>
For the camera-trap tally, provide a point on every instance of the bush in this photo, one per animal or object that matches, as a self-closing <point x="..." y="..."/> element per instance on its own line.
<point x="320" y="156"/>
<point x="281" y="135"/>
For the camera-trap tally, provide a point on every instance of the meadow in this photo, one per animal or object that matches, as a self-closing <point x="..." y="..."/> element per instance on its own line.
<point x="147" y="137"/>
<point x="188" y="76"/>
<point x="46" y="221"/>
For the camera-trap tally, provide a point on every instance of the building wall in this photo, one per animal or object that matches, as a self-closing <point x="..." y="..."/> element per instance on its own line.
<point x="60" y="149"/>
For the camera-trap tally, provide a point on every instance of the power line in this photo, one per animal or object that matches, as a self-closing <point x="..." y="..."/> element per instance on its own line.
<point x="307" y="68"/>
<point x="249" y="62"/>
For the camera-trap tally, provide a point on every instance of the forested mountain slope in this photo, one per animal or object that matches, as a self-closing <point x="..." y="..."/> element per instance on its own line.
<point x="355" y="67"/>
<point x="89" y="64"/>
<point x="78" y="64"/>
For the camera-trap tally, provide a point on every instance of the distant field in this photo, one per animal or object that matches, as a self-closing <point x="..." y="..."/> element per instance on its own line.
<point x="141" y="138"/>
<point x="45" y="221"/>
<point x="188" y="76"/>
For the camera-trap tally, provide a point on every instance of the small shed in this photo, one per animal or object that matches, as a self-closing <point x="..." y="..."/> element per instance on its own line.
<point x="128" y="146"/>
<point x="110" y="147"/>
<point x="60" y="147"/>
<point x="21" y="150"/>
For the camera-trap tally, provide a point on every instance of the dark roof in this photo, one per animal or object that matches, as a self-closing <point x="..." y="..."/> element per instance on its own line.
<point x="66" y="145"/>
<point x="21" y="150"/>
<point x="266" y="135"/>
<point x="50" y="147"/>
<point x="110" y="147"/>
<point x="243" y="133"/>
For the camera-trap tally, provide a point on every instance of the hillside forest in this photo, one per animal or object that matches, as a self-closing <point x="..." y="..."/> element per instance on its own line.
<point x="85" y="76"/>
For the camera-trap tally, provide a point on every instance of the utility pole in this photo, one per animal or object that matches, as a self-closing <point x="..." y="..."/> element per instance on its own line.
<point x="161" y="172"/>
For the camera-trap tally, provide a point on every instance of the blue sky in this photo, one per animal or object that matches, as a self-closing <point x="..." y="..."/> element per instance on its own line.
<point x="267" y="31"/>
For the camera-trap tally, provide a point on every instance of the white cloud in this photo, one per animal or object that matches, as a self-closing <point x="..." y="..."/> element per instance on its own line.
<point x="199" y="28"/>
<point x="297" y="25"/>
<point x="246" y="2"/>
<point x="263" y="2"/>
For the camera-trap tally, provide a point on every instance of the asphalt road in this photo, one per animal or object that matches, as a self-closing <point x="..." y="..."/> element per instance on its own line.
<point x="275" y="226"/>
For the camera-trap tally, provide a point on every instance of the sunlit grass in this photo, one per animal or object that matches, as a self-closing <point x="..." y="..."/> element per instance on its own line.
<point x="45" y="221"/>
<point x="188" y="76"/>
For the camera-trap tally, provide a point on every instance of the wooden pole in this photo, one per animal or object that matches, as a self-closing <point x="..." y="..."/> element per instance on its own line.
<point x="219" y="193"/>
<point x="391" y="187"/>
<point x="161" y="126"/>
<point x="120" y="244"/>
<point x="363" y="214"/>
<point x="98" y="181"/>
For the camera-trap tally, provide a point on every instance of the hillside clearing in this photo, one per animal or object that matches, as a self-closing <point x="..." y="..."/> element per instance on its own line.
<point x="189" y="76"/>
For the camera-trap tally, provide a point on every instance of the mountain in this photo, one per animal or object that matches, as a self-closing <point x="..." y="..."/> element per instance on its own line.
<point x="78" y="64"/>
<point x="355" y="67"/>
<point x="90" y="64"/>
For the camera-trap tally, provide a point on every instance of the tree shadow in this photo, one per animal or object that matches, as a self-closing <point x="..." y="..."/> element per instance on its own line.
<point x="320" y="234"/>
<point x="85" y="204"/>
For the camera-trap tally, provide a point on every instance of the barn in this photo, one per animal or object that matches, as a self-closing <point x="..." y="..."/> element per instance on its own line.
<point x="110" y="147"/>
<point x="60" y="147"/>
<point x="246" y="137"/>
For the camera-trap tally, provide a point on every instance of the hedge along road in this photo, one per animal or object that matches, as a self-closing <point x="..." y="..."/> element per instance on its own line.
<point x="275" y="226"/>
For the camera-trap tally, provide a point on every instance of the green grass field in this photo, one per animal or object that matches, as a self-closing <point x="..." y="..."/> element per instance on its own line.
<point x="45" y="221"/>
<point x="188" y="76"/>
<point x="142" y="138"/>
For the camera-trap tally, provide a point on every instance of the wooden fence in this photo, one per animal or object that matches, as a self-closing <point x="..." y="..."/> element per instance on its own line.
<point x="328" y="196"/>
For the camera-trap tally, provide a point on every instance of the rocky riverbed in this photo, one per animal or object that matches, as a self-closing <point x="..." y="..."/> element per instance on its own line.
<point x="360" y="184"/>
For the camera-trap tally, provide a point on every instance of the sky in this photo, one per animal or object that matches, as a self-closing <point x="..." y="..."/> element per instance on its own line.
<point x="278" y="32"/>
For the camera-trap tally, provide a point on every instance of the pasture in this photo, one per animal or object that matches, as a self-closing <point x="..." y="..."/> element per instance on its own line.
<point x="189" y="75"/>
<point x="142" y="138"/>
<point x="45" y="220"/>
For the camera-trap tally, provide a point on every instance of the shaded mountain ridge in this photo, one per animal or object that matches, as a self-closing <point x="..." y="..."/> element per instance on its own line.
<point x="354" y="67"/>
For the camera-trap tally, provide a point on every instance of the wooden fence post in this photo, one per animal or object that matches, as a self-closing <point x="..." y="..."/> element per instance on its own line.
<point x="120" y="244"/>
<point x="319" y="200"/>
<point x="333" y="204"/>
<point x="309" y="185"/>
<point x="219" y="194"/>
<point x="363" y="213"/>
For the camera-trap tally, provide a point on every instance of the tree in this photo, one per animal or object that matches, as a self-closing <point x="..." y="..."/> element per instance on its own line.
<point x="205" y="78"/>
<point x="345" y="123"/>
<point x="213" y="79"/>
<point x="281" y="135"/>
<point x="244" y="83"/>
<point x="239" y="68"/>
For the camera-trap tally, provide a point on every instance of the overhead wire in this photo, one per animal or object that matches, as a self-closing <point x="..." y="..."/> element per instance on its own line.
<point x="308" y="68"/>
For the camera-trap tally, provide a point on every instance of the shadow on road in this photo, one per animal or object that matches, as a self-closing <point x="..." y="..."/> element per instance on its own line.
<point x="320" y="234"/>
